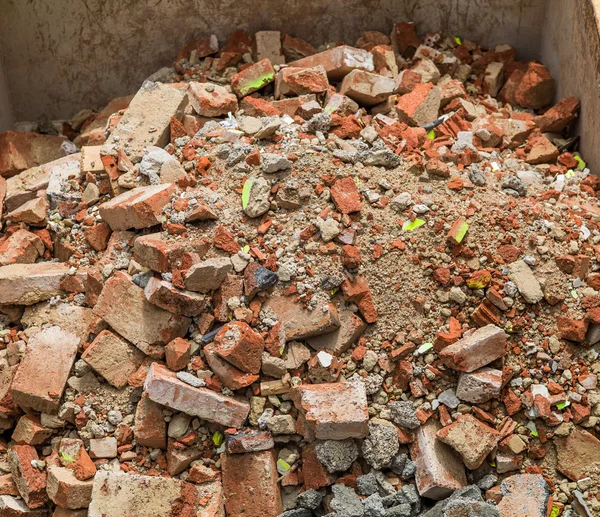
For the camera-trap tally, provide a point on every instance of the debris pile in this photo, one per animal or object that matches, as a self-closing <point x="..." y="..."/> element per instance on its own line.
<point x="353" y="281"/>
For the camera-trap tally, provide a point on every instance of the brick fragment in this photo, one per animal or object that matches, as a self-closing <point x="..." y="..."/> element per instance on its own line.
<point x="30" y="481"/>
<point x="147" y="120"/>
<point x="165" y="295"/>
<point x="113" y="358"/>
<point x="368" y="89"/>
<point x="334" y="411"/>
<point x="162" y="254"/>
<point x="525" y="494"/>
<point x="475" y="350"/>
<point x="267" y="45"/>
<point x="12" y="507"/>
<point x="314" y="473"/>
<point x="253" y="78"/>
<point x="42" y="374"/>
<point x="345" y="196"/>
<point x="529" y="87"/>
<point x="21" y="247"/>
<point x="124" y="307"/>
<point x="150" y="429"/>
<point x="21" y="150"/>
<point x="300" y="323"/>
<point x="469" y="437"/>
<point x="162" y="386"/>
<point x="250" y="484"/>
<point x="211" y="100"/>
<point x="296" y="48"/>
<point x="66" y="490"/>
<point x="358" y="292"/>
<point x="340" y="340"/>
<point x="439" y="471"/>
<point x="249" y="440"/>
<point x="300" y="81"/>
<point x="116" y="494"/>
<point x="30" y="431"/>
<point x="479" y="386"/>
<point x="73" y="456"/>
<point x="33" y="212"/>
<point x="177" y="354"/>
<point x="231" y="377"/>
<point x="238" y="344"/>
<point x="578" y="454"/>
<point x="140" y="207"/>
<point x="559" y="116"/>
<point x="207" y="275"/>
<point x="421" y="106"/>
<point x="338" y="61"/>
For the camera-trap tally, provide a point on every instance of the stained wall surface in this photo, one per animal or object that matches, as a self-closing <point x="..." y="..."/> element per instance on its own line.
<point x="64" y="55"/>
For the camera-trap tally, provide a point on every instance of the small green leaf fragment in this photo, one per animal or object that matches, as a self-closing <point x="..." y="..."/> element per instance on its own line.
<point x="580" y="163"/>
<point x="409" y="226"/>
<point x="462" y="231"/>
<point x="563" y="405"/>
<point x="282" y="466"/>
<point x="457" y="40"/>
<point x="246" y="248"/>
<point x="66" y="458"/>
<point x="431" y="135"/>
<point x="246" y="193"/>
<point x="217" y="438"/>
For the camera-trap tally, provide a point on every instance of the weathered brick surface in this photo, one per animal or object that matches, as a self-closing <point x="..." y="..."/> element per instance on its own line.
<point x="333" y="411"/>
<point x="475" y="350"/>
<point x="525" y="494"/>
<point x="26" y="284"/>
<point x="338" y="61"/>
<point x="42" y="374"/>
<point x="30" y="481"/>
<point x="140" y="207"/>
<point x="125" y="495"/>
<point x="439" y="471"/>
<point x="150" y="427"/>
<point x="165" y="295"/>
<point x="250" y="485"/>
<point x="66" y="490"/>
<point x="162" y="386"/>
<point x="124" y="307"/>
<point x="113" y="358"/>
<point x="240" y="345"/>
<point x="147" y="119"/>
<point x="20" y="151"/>
<point x="578" y="454"/>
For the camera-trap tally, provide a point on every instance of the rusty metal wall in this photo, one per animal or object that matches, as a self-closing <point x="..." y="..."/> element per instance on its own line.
<point x="63" y="55"/>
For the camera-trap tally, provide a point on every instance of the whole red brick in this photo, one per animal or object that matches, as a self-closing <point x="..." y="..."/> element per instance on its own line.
<point x="238" y="344"/>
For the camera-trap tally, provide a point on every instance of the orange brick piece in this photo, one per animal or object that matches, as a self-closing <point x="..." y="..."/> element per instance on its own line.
<point x="140" y="207"/>
<point x="42" y="375"/>
<point x="163" y="386"/>
<point x="238" y="344"/>
<point x="476" y="349"/>
<point x="250" y="484"/>
<point x="439" y="471"/>
<point x="30" y="481"/>
<point x="338" y="61"/>
<point x="334" y="411"/>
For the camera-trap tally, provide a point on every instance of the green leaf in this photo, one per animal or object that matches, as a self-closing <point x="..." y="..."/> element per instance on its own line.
<point x="563" y="405"/>
<point x="282" y="465"/>
<point x="555" y="511"/>
<point x="66" y="458"/>
<point x="462" y="231"/>
<point x="246" y="248"/>
<point x="246" y="192"/>
<point x="431" y="135"/>
<point x="217" y="439"/>
<point x="409" y="226"/>
<point x="424" y="348"/>
<point x="457" y="40"/>
<point x="580" y="163"/>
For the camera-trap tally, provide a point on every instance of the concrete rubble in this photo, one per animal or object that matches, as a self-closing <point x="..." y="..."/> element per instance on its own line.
<point x="353" y="280"/>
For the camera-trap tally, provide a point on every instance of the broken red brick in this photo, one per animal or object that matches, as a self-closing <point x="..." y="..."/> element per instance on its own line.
<point x="475" y="350"/>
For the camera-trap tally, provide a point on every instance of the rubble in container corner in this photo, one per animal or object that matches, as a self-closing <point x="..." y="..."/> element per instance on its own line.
<point x="279" y="280"/>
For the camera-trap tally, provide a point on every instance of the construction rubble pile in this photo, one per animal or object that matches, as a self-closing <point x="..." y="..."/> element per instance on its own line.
<point x="279" y="280"/>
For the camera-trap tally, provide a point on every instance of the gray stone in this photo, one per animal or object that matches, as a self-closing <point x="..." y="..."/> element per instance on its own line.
<point x="367" y="484"/>
<point x="346" y="502"/>
<point x="404" y="414"/>
<point x="282" y="424"/>
<point x="463" y="507"/>
<point x="402" y="510"/>
<point x="337" y="455"/>
<point x="449" y="398"/>
<point x="381" y="444"/>
<point x="373" y="506"/>
<point x="311" y="499"/>
<point x="297" y="512"/>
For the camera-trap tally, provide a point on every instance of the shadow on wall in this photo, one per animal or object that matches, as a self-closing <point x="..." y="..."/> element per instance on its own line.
<point x="6" y="117"/>
<point x="62" y="56"/>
